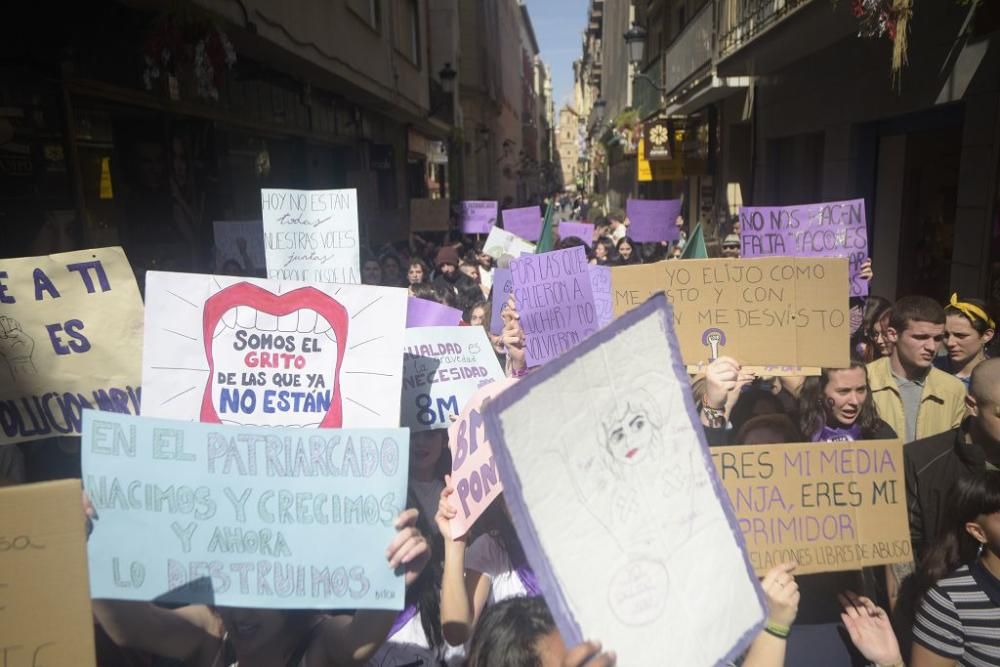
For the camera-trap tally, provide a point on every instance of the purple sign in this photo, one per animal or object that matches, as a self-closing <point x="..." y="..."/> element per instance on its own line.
<point x="581" y="230"/>
<point x="502" y="287"/>
<point x="424" y="313"/>
<point x="600" y="284"/>
<point x="653" y="219"/>
<point x="555" y="302"/>
<point x="478" y="217"/>
<point x="524" y="222"/>
<point x="828" y="229"/>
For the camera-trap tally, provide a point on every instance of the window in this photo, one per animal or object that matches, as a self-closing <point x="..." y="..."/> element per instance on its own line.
<point x="407" y="34"/>
<point x="369" y="11"/>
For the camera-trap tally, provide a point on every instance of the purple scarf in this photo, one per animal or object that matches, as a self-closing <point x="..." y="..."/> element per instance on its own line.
<point x="835" y="434"/>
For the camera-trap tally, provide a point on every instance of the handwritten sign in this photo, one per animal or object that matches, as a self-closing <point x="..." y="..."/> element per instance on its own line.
<point x="555" y="301"/>
<point x="611" y="488"/>
<point x="781" y="311"/>
<point x="501" y="242"/>
<point x="239" y="248"/>
<point x="581" y="230"/>
<point x="831" y="229"/>
<point x="429" y="215"/>
<point x="424" y="313"/>
<point x="503" y="285"/>
<point x="828" y="506"/>
<point x="524" y="222"/>
<point x="442" y="368"/>
<point x="653" y="219"/>
<point x="272" y="517"/>
<point x="478" y="217"/>
<point x="70" y="329"/>
<point x="766" y="371"/>
<point x="268" y="353"/>
<point x="600" y="284"/>
<point x="473" y="467"/>
<point x="311" y="235"/>
<point x="45" y="616"/>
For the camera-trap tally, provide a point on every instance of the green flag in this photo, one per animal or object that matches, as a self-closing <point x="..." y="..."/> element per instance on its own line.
<point x="545" y="242"/>
<point x="695" y="246"/>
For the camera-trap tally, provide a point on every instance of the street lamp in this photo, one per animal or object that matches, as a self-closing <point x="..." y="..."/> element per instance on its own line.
<point x="447" y="76"/>
<point x="599" y="109"/>
<point x="635" y="42"/>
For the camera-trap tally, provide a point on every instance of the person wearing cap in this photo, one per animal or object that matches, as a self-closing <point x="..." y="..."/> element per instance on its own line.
<point x="446" y="270"/>
<point x="731" y="246"/>
<point x="968" y="332"/>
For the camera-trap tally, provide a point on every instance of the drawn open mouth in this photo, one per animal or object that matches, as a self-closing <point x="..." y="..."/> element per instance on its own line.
<point x="632" y="452"/>
<point x="250" y="333"/>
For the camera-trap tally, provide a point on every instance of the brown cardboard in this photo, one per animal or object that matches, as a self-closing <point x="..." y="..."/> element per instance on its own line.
<point x="45" y="616"/>
<point x="429" y="215"/>
<point x="848" y="496"/>
<point x="775" y="311"/>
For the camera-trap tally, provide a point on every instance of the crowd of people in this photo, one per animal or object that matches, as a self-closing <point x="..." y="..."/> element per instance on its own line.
<point x="921" y="371"/>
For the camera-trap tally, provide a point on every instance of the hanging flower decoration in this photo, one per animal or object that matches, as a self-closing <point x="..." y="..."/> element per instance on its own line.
<point x="191" y="45"/>
<point x="886" y="18"/>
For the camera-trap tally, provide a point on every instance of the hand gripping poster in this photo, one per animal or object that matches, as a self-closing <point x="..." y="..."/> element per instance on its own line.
<point x="600" y="455"/>
<point x="255" y="352"/>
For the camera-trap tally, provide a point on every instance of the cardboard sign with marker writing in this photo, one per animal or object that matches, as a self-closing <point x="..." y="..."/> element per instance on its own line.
<point x="429" y="215"/>
<point x="45" y="616"/>
<point x="778" y="311"/>
<point x="828" y="506"/>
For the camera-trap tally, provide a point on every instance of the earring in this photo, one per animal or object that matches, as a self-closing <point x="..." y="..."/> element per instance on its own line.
<point x="979" y="552"/>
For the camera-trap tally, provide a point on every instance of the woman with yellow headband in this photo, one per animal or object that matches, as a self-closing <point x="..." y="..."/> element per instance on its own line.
<point x="968" y="331"/>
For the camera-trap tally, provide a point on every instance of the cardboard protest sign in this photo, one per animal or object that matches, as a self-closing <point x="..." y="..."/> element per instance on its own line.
<point x="311" y="235"/>
<point x="600" y="284"/>
<point x="828" y="506"/>
<point x="424" y="313"/>
<point x="473" y="467"/>
<point x="765" y="371"/>
<point x="653" y="219"/>
<point x="429" y="215"/>
<point x="503" y="285"/>
<point x="780" y="311"/>
<point x="478" y="217"/>
<point x="442" y="368"/>
<point x="45" y="616"/>
<point x="555" y="302"/>
<point x="239" y="248"/>
<point x="268" y="353"/>
<point x="501" y="242"/>
<point x="830" y="229"/>
<point x="524" y="222"/>
<point x="581" y="230"/>
<point x="276" y="518"/>
<point x="600" y="453"/>
<point x="70" y="330"/>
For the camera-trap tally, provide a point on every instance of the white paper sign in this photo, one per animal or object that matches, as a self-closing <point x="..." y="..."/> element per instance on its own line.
<point x="311" y="235"/>
<point x="259" y="352"/>
<point x="501" y="242"/>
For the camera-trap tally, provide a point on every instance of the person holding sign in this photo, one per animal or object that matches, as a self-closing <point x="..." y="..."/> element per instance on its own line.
<point x="837" y="406"/>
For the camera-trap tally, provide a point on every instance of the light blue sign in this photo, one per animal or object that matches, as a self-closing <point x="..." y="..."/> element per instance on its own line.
<point x="266" y="517"/>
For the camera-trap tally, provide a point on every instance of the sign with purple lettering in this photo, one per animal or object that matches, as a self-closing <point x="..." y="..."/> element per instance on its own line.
<point x="442" y="368"/>
<point x="478" y="217"/>
<point x="424" y="313"/>
<point x="262" y="517"/>
<point x="653" y="219"/>
<point x="581" y="230"/>
<point x="502" y="286"/>
<point x="555" y="301"/>
<point x="70" y="338"/>
<point x="524" y="222"/>
<point x="829" y="229"/>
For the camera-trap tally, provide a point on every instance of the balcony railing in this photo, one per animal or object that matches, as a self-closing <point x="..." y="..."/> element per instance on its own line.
<point x="691" y="51"/>
<point x="645" y="97"/>
<point x="740" y="21"/>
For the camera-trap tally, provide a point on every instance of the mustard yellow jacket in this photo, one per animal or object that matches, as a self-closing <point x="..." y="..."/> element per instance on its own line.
<point x="942" y="403"/>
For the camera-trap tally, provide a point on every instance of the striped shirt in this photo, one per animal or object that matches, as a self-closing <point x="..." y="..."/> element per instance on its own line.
<point x="959" y="617"/>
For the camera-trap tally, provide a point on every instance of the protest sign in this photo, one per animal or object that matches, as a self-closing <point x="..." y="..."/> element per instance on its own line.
<point x="524" y="222"/>
<point x="237" y="516"/>
<point x="429" y="215"/>
<point x="829" y="229"/>
<point x="424" y="313"/>
<point x="478" y="217"/>
<point x="555" y="302"/>
<point x="239" y="248"/>
<point x="827" y="506"/>
<point x="501" y="242"/>
<point x="442" y="368"/>
<point x="45" y="616"/>
<point x="581" y="230"/>
<point x="615" y="466"/>
<point x="503" y="285"/>
<point x="311" y="235"/>
<point x="70" y="329"/>
<point x="600" y="284"/>
<point x="473" y="468"/>
<point x="653" y="219"/>
<point x="765" y="371"/>
<point x="259" y="352"/>
<point x="780" y="311"/>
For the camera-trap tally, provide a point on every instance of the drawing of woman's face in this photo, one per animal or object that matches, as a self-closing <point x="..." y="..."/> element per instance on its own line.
<point x="630" y="440"/>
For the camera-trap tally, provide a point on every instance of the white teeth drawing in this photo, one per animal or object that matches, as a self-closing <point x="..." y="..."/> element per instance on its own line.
<point x="307" y="321"/>
<point x="219" y="328"/>
<point x="229" y="317"/>
<point x="246" y="317"/>
<point x="322" y="326"/>
<point x="289" y="322"/>
<point x="266" y="321"/>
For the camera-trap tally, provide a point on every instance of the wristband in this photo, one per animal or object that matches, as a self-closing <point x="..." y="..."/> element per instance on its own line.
<point x="716" y="418"/>
<point x="777" y="630"/>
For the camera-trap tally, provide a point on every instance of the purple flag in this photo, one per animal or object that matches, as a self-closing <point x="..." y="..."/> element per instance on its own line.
<point x="478" y="217"/>
<point x="524" y="222"/>
<point x="828" y="229"/>
<point x="581" y="230"/>
<point x="653" y="219"/>
<point x="424" y="313"/>
<point x="502" y="287"/>
<point x="555" y="302"/>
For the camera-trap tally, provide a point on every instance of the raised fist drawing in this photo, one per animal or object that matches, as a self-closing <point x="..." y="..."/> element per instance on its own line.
<point x="16" y="347"/>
